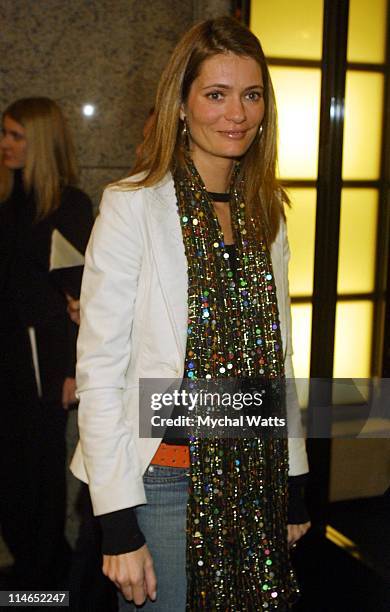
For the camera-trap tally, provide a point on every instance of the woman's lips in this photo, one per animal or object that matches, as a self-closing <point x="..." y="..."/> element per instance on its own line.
<point x="234" y="134"/>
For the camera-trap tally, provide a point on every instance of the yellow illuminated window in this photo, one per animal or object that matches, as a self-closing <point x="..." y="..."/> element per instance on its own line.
<point x="288" y="29"/>
<point x="359" y="209"/>
<point x="367" y="31"/>
<point x="301" y="221"/>
<point x="297" y="93"/>
<point x="363" y="125"/>
<point x="301" y="338"/>
<point x="353" y="339"/>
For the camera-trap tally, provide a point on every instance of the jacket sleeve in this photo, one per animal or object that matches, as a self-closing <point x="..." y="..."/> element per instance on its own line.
<point x="74" y="218"/>
<point x="112" y="267"/>
<point x="298" y="463"/>
<point x="120" y="532"/>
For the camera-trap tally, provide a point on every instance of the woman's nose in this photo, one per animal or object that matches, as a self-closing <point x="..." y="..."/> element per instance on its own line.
<point x="235" y="110"/>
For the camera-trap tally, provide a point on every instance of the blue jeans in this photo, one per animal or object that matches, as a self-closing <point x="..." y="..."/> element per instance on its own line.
<point x="163" y="523"/>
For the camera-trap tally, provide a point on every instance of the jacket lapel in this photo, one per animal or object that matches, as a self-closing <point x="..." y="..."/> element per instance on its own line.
<point x="278" y="267"/>
<point x="168" y="252"/>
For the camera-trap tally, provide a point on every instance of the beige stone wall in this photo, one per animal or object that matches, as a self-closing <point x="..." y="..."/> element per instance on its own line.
<point x="109" y="53"/>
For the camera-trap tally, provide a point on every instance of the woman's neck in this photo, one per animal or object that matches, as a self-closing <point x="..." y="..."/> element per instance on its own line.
<point x="215" y="172"/>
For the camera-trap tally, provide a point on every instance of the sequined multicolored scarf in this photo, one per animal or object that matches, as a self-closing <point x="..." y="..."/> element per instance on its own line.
<point x="237" y="552"/>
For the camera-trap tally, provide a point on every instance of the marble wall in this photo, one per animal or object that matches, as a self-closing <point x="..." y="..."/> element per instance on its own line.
<point x="106" y="53"/>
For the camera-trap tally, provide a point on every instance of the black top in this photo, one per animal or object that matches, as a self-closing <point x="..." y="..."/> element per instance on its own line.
<point x="121" y="532"/>
<point x="29" y="298"/>
<point x="219" y="197"/>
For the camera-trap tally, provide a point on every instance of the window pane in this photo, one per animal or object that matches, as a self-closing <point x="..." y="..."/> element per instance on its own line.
<point x="367" y="31"/>
<point x="301" y="337"/>
<point x="288" y="29"/>
<point x="363" y="125"/>
<point x="301" y="222"/>
<point x="359" y="209"/>
<point x="297" y="93"/>
<point x="353" y="339"/>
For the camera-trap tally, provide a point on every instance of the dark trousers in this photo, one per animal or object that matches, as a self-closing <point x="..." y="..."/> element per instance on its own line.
<point x="33" y="492"/>
<point x="90" y="590"/>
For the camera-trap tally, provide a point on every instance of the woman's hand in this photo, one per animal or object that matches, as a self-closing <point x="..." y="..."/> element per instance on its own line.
<point x="69" y="393"/>
<point x="295" y="532"/>
<point x="133" y="574"/>
<point x="73" y="309"/>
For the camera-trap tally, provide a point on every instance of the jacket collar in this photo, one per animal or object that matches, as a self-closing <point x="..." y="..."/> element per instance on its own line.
<point x="169" y="255"/>
<point x="164" y="192"/>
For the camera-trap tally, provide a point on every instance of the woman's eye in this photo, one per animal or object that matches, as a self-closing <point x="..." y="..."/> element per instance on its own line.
<point x="254" y="96"/>
<point x="215" y="95"/>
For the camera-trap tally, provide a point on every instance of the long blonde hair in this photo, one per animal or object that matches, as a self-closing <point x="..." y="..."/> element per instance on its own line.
<point x="50" y="162"/>
<point x="163" y="149"/>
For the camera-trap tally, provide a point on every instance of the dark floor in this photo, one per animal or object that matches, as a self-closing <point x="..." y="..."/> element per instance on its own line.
<point x="366" y="522"/>
<point x="331" y="579"/>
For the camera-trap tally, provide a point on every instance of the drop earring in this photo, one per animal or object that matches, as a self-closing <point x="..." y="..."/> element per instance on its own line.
<point x="260" y="129"/>
<point x="185" y="135"/>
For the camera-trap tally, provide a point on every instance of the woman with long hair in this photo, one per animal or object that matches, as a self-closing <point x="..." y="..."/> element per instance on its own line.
<point x="186" y="278"/>
<point x="39" y="204"/>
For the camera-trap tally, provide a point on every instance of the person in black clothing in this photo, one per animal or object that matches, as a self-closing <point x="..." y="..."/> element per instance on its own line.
<point x="37" y="338"/>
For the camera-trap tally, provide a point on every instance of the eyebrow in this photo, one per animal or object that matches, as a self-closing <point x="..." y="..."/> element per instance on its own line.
<point x="224" y="86"/>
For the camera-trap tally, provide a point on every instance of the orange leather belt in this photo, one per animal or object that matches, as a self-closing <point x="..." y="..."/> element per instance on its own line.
<point x="172" y="455"/>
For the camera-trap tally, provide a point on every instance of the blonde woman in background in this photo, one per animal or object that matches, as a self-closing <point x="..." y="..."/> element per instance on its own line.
<point x="37" y="196"/>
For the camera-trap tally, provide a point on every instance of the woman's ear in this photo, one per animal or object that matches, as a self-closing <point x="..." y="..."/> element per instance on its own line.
<point x="182" y="113"/>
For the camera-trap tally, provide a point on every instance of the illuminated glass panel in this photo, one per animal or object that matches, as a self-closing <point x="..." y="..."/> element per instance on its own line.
<point x="297" y="93"/>
<point x="288" y="29"/>
<point x="301" y="338"/>
<point x="363" y="125"/>
<point x="353" y="339"/>
<point x="366" y="31"/>
<point x="359" y="209"/>
<point x="301" y="226"/>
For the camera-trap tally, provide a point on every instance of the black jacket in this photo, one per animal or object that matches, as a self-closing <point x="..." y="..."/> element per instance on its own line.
<point x="29" y="296"/>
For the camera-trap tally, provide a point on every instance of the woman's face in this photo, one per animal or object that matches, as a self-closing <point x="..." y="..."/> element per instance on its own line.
<point x="13" y="144"/>
<point x="225" y="107"/>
